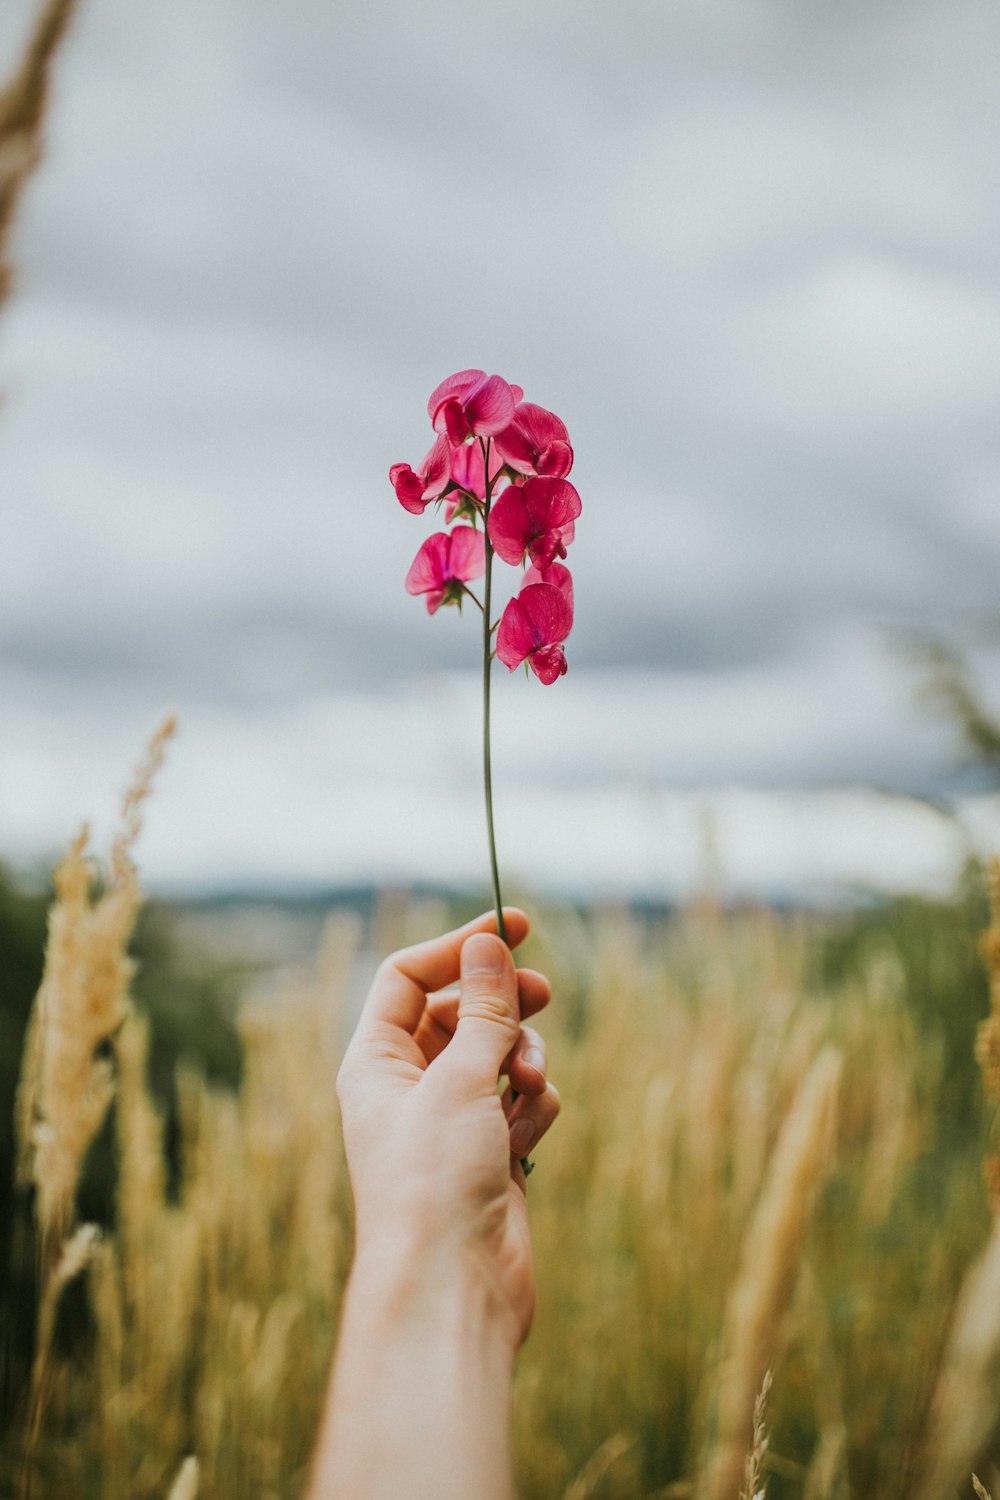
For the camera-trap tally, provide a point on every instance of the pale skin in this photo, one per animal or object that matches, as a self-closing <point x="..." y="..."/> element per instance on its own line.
<point x="442" y="1290"/>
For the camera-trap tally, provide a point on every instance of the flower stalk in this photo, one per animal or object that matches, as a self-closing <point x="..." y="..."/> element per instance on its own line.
<point x="502" y="461"/>
<point x="487" y="664"/>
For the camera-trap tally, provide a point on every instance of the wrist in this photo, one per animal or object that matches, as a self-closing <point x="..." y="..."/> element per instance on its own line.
<point x="420" y="1400"/>
<point x="412" y="1287"/>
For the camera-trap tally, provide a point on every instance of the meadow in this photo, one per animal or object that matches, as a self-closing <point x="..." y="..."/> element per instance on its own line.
<point x="770" y="1159"/>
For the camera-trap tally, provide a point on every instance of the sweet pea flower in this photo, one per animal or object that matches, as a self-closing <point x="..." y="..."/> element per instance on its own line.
<point x="416" y="489"/>
<point x="533" y="628"/>
<point x="536" y="518"/>
<point x="472" y="404"/>
<point x="536" y="442"/>
<point x="445" y="562"/>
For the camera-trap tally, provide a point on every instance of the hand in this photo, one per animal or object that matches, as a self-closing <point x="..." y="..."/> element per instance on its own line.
<point x="432" y="1148"/>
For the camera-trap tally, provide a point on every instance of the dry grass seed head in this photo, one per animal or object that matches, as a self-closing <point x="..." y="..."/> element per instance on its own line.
<point x="753" y="1488"/>
<point x="67" y="1083"/>
<point x="771" y="1252"/>
<point x="22" y="110"/>
<point x="967" y="1398"/>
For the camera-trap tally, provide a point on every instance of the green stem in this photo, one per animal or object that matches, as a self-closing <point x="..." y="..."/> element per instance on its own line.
<point x="487" y="662"/>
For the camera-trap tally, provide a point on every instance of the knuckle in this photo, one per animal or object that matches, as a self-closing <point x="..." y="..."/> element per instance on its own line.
<point x="386" y="969"/>
<point x="487" y="1005"/>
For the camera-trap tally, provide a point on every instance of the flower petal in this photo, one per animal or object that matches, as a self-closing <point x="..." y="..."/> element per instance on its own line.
<point x="509" y="525"/>
<point x="452" y="418"/>
<point x="548" y="664"/>
<point x="490" y="406"/>
<point x="536" y="442"/>
<point x="556" y="459"/>
<point x="555" y="574"/>
<point x="409" y="488"/>
<point x="467" y="468"/>
<point x="436" y="468"/>
<point x="552" y="504"/>
<point x="467" y="558"/>
<point x="515" y="637"/>
<point x="548" y="612"/>
<point x="428" y="568"/>
<point x="543" y="550"/>
<point x="455" y="388"/>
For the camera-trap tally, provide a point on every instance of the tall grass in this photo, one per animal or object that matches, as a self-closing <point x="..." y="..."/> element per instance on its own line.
<point x="754" y="1171"/>
<point x="23" y="102"/>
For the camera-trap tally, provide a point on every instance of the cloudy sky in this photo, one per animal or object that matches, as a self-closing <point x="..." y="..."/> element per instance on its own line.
<point x="747" y="249"/>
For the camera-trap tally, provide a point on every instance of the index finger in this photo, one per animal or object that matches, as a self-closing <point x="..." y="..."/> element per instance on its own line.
<point x="405" y="979"/>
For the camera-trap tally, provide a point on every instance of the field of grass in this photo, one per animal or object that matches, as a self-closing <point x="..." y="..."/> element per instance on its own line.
<point x="770" y="1158"/>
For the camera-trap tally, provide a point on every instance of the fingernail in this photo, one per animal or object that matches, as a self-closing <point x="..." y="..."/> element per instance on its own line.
<point x="483" y="954"/>
<point x="522" y="1133"/>
<point x="534" y="1057"/>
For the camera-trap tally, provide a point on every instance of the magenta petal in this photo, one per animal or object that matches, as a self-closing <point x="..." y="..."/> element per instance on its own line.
<point x="544" y="550"/>
<point x="560" y="577"/>
<point x="467" y="469"/>
<point x="555" y="460"/>
<point x="541" y="426"/>
<point x="467" y="558"/>
<point x="548" y="613"/>
<point x="549" y="664"/>
<point x="490" y="406"/>
<point x="510" y="525"/>
<point x="409" y="488"/>
<point x="436" y="468"/>
<point x="515" y="637"/>
<point x="428" y="568"/>
<point x="515" y="449"/>
<point x="552" y="503"/>
<point x="456" y="387"/>
<point x="453" y="420"/>
<point x="536" y="442"/>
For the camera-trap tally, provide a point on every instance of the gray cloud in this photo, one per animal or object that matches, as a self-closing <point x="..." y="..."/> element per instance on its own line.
<point x="746" y="250"/>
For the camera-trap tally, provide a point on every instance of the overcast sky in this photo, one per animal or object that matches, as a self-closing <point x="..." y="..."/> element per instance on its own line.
<point x="747" y="249"/>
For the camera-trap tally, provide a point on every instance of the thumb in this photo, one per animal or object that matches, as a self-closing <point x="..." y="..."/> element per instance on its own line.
<point x="489" y="1020"/>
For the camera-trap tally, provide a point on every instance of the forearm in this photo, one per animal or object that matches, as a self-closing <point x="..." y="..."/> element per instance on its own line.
<point x="419" y="1403"/>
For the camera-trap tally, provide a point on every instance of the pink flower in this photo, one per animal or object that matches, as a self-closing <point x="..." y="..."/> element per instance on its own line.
<point x="415" y="490"/>
<point x="533" y="628"/>
<point x="446" y="561"/>
<point x="536" y="442"/>
<point x="534" y="517"/>
<point x="472" y="404"/>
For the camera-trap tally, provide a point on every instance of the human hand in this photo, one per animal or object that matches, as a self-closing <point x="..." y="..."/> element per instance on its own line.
<point x="433" y="1150"/>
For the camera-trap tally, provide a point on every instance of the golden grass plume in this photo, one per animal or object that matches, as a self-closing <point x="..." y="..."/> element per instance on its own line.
<point x="769" y="1264"/>
<point x="22" y="112"/>
<point x="67" y="1079"/>
<point x="754" y="1487"/>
